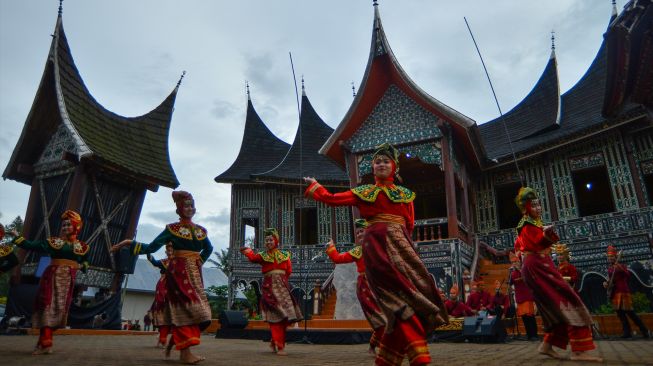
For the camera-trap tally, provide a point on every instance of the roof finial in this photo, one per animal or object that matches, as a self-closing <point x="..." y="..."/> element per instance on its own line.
<point x="183" y="73"/>
<point x="247" y="88"/>
<point x="553" y="40"/>
<point x="614" y="8"/>
<point x="374" y="3"/>
<point x="60" y="7"/>
<point x="353" y="89"/>
<point x="303" y="87"/>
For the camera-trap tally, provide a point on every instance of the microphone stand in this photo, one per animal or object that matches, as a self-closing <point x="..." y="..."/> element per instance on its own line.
<point x="305" y="297"/>
<point x="513" y="307"/>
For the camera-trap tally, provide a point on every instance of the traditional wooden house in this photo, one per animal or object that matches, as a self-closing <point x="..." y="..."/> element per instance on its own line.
<point x="588" y="152"/>
<point x="78" y="155"/>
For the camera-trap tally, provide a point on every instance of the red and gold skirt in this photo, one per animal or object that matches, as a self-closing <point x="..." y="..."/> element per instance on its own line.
<point x="159" y="310"/>
<point x="187" y="302"/>
<point x="622" y="301"/>
<point x="55" y="295"/>
<point x="369" y="304"/>
<point x="277" y="304"/>
<point x="556" y="301"/>
<point x="399" y="279"/>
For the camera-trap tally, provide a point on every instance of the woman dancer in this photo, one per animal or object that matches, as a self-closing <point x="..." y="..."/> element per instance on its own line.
<point x="161" y="318"/>
<point x="188" y="305"/>
<point x="279" y="307"/>
<point x="406" y="292"/>
<point x="366" y="297"/>
<point x="58" y="281"/>
<point x="564" y="316"/>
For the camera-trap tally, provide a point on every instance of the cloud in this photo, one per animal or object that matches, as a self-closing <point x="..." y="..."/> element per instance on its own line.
<point x="224" y="109"/>
<point x="164" y="216"/>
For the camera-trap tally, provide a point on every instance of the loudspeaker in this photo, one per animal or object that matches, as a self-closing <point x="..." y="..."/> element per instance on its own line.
<point x="483" y="328"/>
<point x="232" y="319"/>
<point x="125" y="261"/>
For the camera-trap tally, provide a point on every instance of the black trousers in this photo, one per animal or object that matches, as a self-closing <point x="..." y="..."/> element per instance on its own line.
<point x="624" y="315"/>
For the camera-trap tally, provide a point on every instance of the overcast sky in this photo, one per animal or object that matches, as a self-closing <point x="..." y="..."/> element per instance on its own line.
<point x="131" y="54"/>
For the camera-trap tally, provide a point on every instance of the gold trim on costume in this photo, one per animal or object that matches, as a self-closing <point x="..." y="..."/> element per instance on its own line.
<point x="64" y="262"/>
<point x="394" y="219"/>
<point x="186" y="254"/>
<point x="274" y="271"/>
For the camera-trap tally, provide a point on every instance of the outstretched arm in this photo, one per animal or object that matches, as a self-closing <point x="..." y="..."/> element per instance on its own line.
<point x="251" y="256"/>
<point x="316" y="191"/>
<point x="336" y="257"/>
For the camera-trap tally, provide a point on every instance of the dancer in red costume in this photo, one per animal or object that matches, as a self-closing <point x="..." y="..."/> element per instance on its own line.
<point x="366" y="297"/>
<point x="405" y="290"/>
<point x="8" y="258"/>
<point x="58" y="281"/>
<point x="622" y="300"/>
<point x="277" y="304"/>
<point x="565" y="317"/>
<point x="499" y="303"/>
<point x="187" y="302"/>
<point x="455" y="308"/>
<point x="566" y="269"/>
<point x="523" y="298"/>
<point x="160" y="317"/>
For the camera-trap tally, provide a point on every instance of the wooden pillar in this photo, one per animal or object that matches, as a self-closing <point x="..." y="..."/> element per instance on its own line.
<point x="29" y="227"/>
<point x="449" y="184"/>
<point x="549" y="189"/>
<point x="352" y="172"/>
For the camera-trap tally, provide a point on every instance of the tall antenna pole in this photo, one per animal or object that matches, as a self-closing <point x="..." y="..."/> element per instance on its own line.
<point x="503" y="121"/>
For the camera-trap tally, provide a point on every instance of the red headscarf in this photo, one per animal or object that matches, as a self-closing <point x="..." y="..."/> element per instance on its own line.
<point x="180" y="197"/>
<point x="74" y="219"/>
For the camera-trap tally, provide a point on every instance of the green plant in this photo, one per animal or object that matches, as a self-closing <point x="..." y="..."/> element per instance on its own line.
<point x="641" y="303"/>
<point x="605" y="309"/>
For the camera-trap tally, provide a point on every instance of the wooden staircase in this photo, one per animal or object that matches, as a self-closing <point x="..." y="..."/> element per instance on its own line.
<point x="490" y="272"/>
<point x="329" y="308"/>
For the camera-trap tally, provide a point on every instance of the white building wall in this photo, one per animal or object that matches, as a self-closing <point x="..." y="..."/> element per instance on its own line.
<point x="136" y="304"/>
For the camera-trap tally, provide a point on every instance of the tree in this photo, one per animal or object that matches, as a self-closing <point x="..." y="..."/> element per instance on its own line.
<point x="217" y="299"/>
<point x="223" y="262"/>
<point x="17" y="225"/>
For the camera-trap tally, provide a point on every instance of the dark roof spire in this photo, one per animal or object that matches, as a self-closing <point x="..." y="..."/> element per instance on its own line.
<point x="375" y="3"/>
<point x="247" y="88"/>
<point x="614" y="8"/>
<point x="553" y="43"/>
<point x="183" y="73"/>
<point x="353" y="89"/>
<point x="60" y="7"/>
<point x="303" y="87"/>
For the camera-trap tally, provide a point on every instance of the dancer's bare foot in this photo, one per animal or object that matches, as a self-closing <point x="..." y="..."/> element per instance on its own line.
<point x="273" y="347"/>
<point x="160" y="345"/>
<point x="547" y="350"/>
<point x="584" y="356"/>
<point x="186" y="357"/>
<point x="281" y="352"/>
<point x="372" y="351"/>
<point x="42" y="351"/>
<point x="168" y="349"/>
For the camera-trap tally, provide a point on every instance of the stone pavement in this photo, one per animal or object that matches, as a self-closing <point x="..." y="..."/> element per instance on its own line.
<point x="97" y="350"/>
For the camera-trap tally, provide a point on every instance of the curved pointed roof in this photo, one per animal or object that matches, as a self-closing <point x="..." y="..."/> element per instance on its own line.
<point x="260" y="150"/>
<point x="303" y="158"/>
<point x="382" y="71"/>
<point x="538" y="111"/>
<point x="135" y="146"/>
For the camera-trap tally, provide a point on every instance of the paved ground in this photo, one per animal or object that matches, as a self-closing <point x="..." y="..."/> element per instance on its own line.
<point x="138" y="350"/>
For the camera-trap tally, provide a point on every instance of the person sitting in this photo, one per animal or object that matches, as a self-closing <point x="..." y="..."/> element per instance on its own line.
<point x="478" y="299"/>
<point x="455" y="308"/>
<point x="500" y="303"/>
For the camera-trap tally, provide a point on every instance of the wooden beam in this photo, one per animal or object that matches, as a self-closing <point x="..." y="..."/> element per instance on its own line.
<point x="449" y="184"/>
<point x="634" y="170"/>
<point x="550" y="195"/>
<point x="77" y="192"/>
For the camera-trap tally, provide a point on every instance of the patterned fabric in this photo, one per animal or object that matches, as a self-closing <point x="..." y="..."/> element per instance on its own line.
<point x="408" y="340"/>
<point x="368" y="301"/>
<point x="399" y="278"/>
<point x="54" y="297"/>
<point x="187" y="231"/>
<point x="187" y="301"/>
<point x="160" y="313"/>
<point x="5" y="250"/>
<point x="356" y="252"/>
<point x="277" y="304"/>
<point x="396" y="194"/>
<point x="279" y="255"/>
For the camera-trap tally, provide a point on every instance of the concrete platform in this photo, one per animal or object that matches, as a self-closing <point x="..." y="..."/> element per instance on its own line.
<point x="76" y="350"/>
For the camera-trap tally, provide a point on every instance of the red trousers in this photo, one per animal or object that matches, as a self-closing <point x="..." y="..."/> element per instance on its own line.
<point x="278" y="331"/>
<point x="45" y="337"/>
<point x="408" y="339"/>
<point x="580" y="338"/>
<point x="186" y="336"/>
<point x="164" y="330"/>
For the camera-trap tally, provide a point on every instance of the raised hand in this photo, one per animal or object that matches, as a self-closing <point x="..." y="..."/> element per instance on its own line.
<point x="309" y="180"/>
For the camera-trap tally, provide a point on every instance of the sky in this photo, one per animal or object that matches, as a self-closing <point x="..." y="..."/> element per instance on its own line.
<point x="132" y="53"/>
